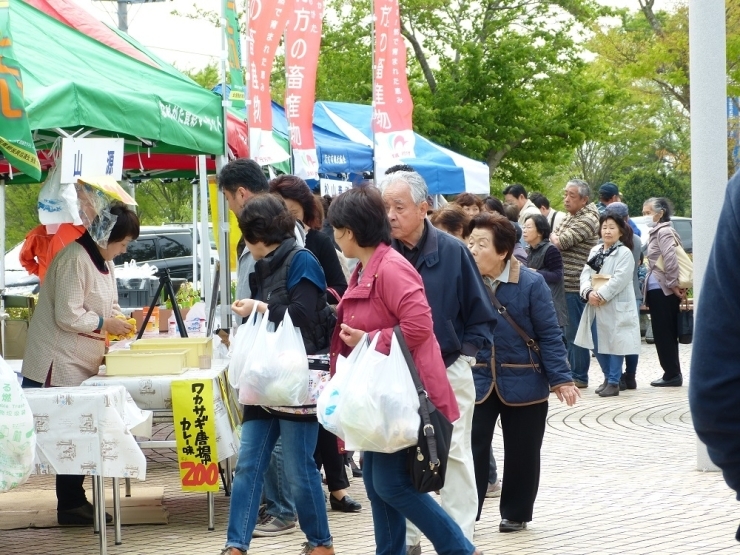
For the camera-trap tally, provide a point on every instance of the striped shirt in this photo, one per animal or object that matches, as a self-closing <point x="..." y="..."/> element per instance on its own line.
<point x="577" y="233"/>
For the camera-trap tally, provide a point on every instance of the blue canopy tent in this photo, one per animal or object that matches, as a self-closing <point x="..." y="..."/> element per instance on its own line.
<point x="445" y="172"/>
<point x="336" y="153"/>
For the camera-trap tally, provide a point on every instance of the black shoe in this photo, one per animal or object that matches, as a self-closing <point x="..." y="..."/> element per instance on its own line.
<point x="629" y="381"/>
<point x="601" y="387"/>
<point x="356" y="471"/>
<point x="511" y="526"/>
<point x="346" y="504"/>
<point x="611" y="390"/>
<point x="673" y="382"/>
<point x="622" y="383"/>
<point x="80" y="516"/>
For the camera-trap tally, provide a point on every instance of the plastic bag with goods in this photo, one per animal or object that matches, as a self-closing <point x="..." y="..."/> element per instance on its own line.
<point x="17" y="432"/>
<point x="277" y="369"/>
<point x="242" y="345"/>
<point x="329" y="402"/>
<point x="380" y="408"/>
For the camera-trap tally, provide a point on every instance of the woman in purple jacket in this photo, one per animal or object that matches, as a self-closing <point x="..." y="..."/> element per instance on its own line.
<point x="384" y="291"/>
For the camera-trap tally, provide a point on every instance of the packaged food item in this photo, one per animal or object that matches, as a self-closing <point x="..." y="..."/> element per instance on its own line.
<point x="129" y="335"/>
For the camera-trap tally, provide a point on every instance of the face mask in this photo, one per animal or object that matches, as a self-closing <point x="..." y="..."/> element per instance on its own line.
<point x="651" y="224"/>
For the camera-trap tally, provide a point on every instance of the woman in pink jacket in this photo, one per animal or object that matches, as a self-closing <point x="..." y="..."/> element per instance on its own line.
<point x="385" y="291"/>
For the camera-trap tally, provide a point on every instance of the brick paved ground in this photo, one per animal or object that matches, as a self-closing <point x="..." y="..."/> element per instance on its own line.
<point x="618" y="477"/>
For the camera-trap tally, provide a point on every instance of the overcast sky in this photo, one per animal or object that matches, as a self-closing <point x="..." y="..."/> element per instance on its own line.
<point x="192" y="44"/>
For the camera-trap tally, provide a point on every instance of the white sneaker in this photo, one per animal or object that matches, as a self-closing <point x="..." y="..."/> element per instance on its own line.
<point x="494" y="490"/>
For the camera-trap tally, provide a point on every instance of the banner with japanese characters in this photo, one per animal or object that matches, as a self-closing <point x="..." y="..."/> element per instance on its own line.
<point x="195" y="434"/>
<point x="302" y="44"/>
<point x="267" y="20"/>
<point x="392" y="104"/>
<point x="236" y="78"/>
<point x="16" y="142"/>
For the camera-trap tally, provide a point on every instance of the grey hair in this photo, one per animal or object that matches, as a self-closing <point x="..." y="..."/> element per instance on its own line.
<point x="417" y="186"/>
<point x="584" y="190"/>
<point x="661" y="204"/>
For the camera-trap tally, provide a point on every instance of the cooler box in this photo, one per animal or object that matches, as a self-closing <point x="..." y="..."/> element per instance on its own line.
<point x="194" y="347"/>
<point x="145" y="363"/>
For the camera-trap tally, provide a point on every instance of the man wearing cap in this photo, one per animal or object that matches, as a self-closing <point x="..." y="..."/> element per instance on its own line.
<point x="630" y="361"/>
<point x="608" y="193"/>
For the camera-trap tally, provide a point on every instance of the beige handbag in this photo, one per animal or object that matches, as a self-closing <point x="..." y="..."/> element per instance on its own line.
<point x="599" y="280"/>
<point x="685" y="267"/>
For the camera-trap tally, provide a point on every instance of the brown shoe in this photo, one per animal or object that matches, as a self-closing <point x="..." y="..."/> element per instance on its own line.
<point x="309" y="549"/>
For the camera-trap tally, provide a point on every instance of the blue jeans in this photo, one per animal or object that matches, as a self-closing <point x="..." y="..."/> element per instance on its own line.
<point x="277" y="491"/>
<point x="578" y="357"/>
<point x="611" y="365"/>
<point x="393" y="499"/>
<point x="257" y="443"/>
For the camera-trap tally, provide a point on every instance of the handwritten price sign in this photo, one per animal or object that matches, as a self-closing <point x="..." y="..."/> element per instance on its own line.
<point x="195" y="434"/>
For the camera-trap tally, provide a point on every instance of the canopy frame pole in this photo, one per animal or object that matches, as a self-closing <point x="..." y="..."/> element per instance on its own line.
<point x="223" y="209"/>
<point x="3" y="315"/>
<point x="205" y="242"/>
<point x="195" y="238"/>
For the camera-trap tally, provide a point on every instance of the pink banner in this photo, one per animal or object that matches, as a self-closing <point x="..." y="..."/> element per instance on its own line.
<point x="392" y="104"/>
<point x="302" y="44"/>
<point x="267" y="19"/>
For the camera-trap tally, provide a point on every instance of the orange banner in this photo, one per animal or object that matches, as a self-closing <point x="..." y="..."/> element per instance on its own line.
<point x="302" y="44"/>
<point x="267" y="20"/>
<point x="393" y="107"/>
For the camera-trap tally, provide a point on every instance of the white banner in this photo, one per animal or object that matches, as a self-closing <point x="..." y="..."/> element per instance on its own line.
<point x="91" y="158"/>
<point x="334" y="187"/>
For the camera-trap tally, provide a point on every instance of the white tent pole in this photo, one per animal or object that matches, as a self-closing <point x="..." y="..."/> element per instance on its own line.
<point x="195" y="239"/>
<point x="223" y="209"/>
<point x="2" y="266"/>
<point x="205" y="241"/>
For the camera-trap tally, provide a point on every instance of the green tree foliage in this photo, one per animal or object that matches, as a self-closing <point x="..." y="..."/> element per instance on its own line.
<point x="643" y="184"/>
<point x="162" y="202"/>
<point x="21" y="213"/>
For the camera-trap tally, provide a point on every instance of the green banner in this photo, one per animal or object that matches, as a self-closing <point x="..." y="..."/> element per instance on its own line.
<point x="236" y="77"/>
<point x="16" y="142"/>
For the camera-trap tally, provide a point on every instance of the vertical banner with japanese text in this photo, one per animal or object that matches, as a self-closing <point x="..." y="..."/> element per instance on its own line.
<point x="195" y="434"/>
<point x="16" y="141"/>
<point x="392" y="104"/>
<point x="267" y="20"/>
<point x="236" y="78"/>
<point x="302" y="44"/>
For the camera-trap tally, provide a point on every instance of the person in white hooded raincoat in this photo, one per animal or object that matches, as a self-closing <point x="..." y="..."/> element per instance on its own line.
<point x="609" y="324"/>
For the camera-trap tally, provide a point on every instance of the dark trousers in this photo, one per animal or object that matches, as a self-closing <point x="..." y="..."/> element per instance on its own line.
<point x="523" y="429"/>
<point x="70" y="489"/>
<point x="327" y="454"/>
<point x="664" y="311"/>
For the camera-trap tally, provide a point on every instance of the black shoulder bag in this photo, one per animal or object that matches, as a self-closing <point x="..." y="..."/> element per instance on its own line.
<point x="427" y="461"/>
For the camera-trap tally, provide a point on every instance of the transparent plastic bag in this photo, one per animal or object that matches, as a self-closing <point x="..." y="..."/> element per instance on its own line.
<point x="380" y="407"/>
<point x="17" y="432"/>
<point x="242" y="345"/>
<point x="277" y="370"/>
<point x="329" y="402"/>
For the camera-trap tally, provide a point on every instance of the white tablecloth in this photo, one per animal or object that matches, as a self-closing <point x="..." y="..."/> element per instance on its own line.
<point x="82" y="430"/>
<point x="155" y="393"/>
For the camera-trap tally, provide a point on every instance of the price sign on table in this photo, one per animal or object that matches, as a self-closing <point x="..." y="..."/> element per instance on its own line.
<point x="195" y="434"/>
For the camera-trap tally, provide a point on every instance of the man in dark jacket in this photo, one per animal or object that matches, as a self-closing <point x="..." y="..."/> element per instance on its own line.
<point x="464" y="320"/>
<point x="714" y="390"/>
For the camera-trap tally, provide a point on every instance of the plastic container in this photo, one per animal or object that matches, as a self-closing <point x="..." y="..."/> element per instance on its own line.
<point x="145" y="363"/>
<point x="152" y="326"/>
<point x="194" y="346"/>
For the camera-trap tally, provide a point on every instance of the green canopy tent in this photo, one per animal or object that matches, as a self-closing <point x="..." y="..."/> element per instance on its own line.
<point x="73" y="84"/>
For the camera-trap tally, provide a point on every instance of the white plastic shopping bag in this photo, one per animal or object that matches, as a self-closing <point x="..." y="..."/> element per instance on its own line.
<point x="17" y="433"/>
<point x="277" y="370"/>
<point x="380" y="407"/>
<point x="242" y="345"/>
<point x="57" y="203"/>
<point x="329" y="401"/>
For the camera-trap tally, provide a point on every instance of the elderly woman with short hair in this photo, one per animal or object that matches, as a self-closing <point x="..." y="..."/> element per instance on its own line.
<point x="516" y="384"/>
<point x="663" y="295"/>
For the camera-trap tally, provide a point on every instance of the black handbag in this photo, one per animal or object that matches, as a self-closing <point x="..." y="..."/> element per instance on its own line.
<point x="686" y="324"/>
<point x="427" y="461"/>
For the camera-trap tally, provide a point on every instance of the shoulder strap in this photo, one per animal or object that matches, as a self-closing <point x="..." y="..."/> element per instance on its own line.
<point x="423" y="399"/>
<point x="531" y="343"/>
